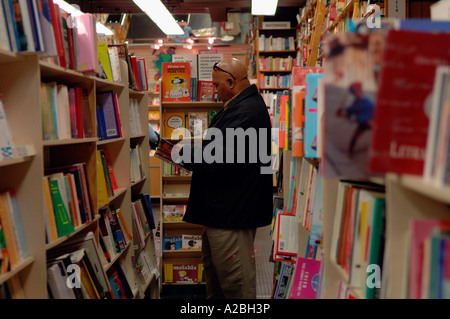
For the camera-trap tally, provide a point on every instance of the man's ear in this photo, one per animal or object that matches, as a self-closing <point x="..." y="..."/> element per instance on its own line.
<point x="230" y="81"/>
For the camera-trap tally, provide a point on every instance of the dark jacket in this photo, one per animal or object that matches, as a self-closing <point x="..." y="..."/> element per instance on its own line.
<point x="234" y="195"/>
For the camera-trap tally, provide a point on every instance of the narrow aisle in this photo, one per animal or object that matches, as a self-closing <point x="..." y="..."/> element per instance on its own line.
<point x="264" y="268"/>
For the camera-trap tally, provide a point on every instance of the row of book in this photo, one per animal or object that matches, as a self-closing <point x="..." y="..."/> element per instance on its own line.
<point x="13" y="247"/>
<point x="275" y="63"/>
<point x="274" y="81"/>
<point x="271" y="43"/>
<point x="184" y="273"/>
<point x="358" y="235"/>
<point x="67" y="40"/>
<point x="106" y="179"/>
<point x="183" y="242"/>
<point x="195" y="122"/>
<point x="75" y="270"/>
<point x="65" y="112"/>
<point x="188" y="77"/>
<point x="115" y="235"/>
<point x="143" y="219"/>
<point x="428" y="264"/>
<point x="180" y="85"/>
<point x="172" y="170"/>
<point x="68" y="201"/>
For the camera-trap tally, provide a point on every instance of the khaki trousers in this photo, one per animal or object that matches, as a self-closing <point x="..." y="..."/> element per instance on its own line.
<point x="229" y="263"/>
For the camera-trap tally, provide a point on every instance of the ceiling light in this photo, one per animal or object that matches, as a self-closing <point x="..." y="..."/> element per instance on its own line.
<point x="264" y="7"/>
<point x="160" y="15"/>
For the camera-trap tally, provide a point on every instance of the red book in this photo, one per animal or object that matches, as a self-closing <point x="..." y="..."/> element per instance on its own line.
<point x="67" y="17"/>
<point x="57" y="29"/>
<point x="406" y="83"/>
<point x="136" y="72"/>
<point x="176" y="81"/>
<point x="205" y="91"/>
<point x="144" y="75"/>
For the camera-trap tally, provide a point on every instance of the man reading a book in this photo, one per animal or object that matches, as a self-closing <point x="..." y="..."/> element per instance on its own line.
<point x="231" y="199"/>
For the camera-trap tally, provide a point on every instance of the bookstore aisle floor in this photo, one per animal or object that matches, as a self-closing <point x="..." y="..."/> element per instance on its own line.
<point x="264" y="268"/>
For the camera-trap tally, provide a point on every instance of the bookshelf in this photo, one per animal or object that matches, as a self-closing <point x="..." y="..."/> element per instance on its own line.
<point x="21" y="76"/>
<point x="175" y="191"/>
<point x="408" y="199"/>
<point x="275" y="51"/>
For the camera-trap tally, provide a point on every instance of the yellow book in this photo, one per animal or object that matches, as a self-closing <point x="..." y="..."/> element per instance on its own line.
<point x="173" y="122"/>
<point x="101" y="183"/>
<point x="49" y="210"/>
<point x="103" y="57"/>
<point x="7" y="226"/>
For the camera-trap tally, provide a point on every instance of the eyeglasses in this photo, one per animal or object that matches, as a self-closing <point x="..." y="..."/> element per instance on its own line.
<point x="220" y="69"/>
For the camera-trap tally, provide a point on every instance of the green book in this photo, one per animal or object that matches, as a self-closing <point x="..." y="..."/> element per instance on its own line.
<point x="64" y="225"/>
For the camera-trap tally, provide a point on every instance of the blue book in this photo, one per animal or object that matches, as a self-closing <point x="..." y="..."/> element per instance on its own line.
<point x="172" y="243"/>
<point x="101" y="129"/>
<point x="106" y="101"/>
<point x="11" y="198"/>
<point x="310" y="126"/>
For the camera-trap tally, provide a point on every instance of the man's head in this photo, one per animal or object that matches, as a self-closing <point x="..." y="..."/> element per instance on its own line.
<point x="229" y="78"/>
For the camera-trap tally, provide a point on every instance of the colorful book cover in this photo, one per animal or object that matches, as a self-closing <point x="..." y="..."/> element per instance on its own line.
<point x="64" y="225"/>
<point x="103" y="57"/>
<point x="198" y="123"/>
<point x="173" y="123"/>
<point x="350" y="90"/>
<point x="172" y="243"/>
<point x="306" y="279"/>
<point x="176" y="81"/>
<point x="421" y="230"/>
<point x="310" y="126"/>
<point x="297" y="124"/>
<point x="86" y="45"/>
<point x="106" y="101"/>
<point x="181" y="273"/>
<point x="189" y="242"/>
<point x="205" y="91"/>
<point x="173" y="212"/>
<point x="401" y="114"/>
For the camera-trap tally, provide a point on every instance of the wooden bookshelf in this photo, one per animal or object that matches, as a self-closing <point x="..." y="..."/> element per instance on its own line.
<point x="20" y="78"/>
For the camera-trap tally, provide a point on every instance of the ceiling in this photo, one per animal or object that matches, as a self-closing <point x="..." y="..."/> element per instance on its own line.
<point x="216" y="8"/>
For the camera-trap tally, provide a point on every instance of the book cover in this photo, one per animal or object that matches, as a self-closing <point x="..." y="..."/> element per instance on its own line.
<point x="173" y="124"/>
<point x="198" y="123"/>
<point x="306" y="279"/>
<point x="176" y="81"/>
<point x="350" y="90"/>
<point x="103" y="57"/>
<point x="63" y="223"/>
<point x="401" y="116"/>
<point x="310" y="136"/>
<point x="173" y="213"/>
<point x="181" y="273"/>
<point x="102" y="193"/>
<point x="205" y="91"/>
<point x="6" y="139"/>
<point x="113" y="53"/>
<point x="86" y="43"/>
<point x="189" y="242"/>
<point x="106" y="102"/>
<point x="297" y="124"/>
<point x="172" y="243"/>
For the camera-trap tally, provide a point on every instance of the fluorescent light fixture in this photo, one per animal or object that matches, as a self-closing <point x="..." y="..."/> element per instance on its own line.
<point x="264" y="7"/>
<point x="160" y="15"/>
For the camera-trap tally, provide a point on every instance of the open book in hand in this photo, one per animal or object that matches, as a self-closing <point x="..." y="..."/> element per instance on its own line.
<point x="164" y="152"/>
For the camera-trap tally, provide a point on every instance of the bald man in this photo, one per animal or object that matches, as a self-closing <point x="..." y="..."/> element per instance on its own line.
<point x="231" y="200"/>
